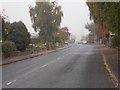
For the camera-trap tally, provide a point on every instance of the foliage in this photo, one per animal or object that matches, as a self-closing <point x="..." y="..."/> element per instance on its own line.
<point x="105" y="15"/>
<point x="40" y="46"/>
<point x="0" y="47"/>
<point x="61" y="35"/>
<point x="115" y="41"/>
<point x="2" y="27"/>
<point x="7" y="47"/>
<point x="46" y="19"/>
<point x="15" y="32"/>
<point x="19" y="35"/>
<point x="90" y="27"/>
<point x="35" y="40"/>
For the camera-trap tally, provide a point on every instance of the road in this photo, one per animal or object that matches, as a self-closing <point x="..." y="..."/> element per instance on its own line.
<point x="79" y="66"/>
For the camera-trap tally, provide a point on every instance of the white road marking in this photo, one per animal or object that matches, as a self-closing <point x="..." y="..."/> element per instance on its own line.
<point x="33" y="71"/>
<point x="11" y="82"/>
<point x="36" y="69"/>
<point x="45" y="65"/>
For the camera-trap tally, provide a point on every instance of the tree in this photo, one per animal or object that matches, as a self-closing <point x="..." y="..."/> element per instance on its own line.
<point x="46" y="19"/>
<point x="1" y="28"/>
<point x="72" y="39"/>
<point x="61" y="35"/>
<point x="90" y="27"/>
<point x="35" y="40"/>
<point x="3" y="23"/>
<point x="106" y="17"/>
<point x="19" y="34"/>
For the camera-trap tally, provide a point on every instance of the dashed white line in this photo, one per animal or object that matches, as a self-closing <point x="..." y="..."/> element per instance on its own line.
<point x="11" y="82"/>
<point x="45" y="65"/>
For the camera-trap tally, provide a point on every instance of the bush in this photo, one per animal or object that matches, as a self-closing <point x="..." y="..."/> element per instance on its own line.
<point x="19" y="34"/>
<point x="40" y="46"/>
<point x="53" y="46"/>
<point x="0" y="47"/>
<point x="7" y="47"/>
<point x="115" y="42"/>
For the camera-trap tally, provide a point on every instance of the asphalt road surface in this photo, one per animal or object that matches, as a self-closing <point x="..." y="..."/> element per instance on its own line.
<point x="79" y="66"/>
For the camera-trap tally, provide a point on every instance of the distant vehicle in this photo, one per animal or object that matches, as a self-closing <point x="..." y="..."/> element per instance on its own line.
<point x="84" y="42"/>
<point x="66" y="42"/>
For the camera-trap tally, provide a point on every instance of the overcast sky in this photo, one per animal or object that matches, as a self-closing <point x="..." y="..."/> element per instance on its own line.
<point x="76" y="15"/>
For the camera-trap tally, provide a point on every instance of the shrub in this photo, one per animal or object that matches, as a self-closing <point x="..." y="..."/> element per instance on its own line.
<point x="19" y="34"/>
<point x="115" y="42"/>
<point x="7" y="47"/>
<point x="41" y="46"/>
<point x="53" y="46"/>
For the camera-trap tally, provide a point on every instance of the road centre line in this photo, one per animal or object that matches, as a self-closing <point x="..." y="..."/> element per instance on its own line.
<point x="11" y="82"/>
<point x="32" y="71"/>
<point x="45" y="65"/>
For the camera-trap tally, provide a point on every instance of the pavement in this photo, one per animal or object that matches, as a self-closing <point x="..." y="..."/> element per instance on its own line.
<point x="19" y="58"/>
<point x="79" y="66"/>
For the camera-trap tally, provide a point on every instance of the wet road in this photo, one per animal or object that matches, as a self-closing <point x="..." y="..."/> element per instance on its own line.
<point x="79" y="66"/>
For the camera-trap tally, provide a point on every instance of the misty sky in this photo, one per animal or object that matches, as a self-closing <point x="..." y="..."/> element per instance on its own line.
<point x="76" y="15"/>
